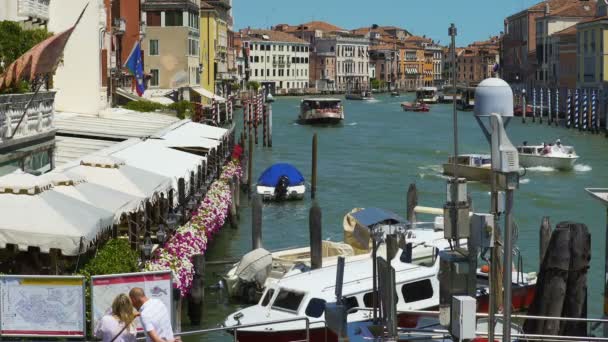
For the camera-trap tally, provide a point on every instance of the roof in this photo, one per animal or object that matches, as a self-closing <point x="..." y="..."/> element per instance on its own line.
<point x="577" y="9"/>
<point x="593" y="20"/>
<point x="321" y="26"/>
<point x="273" y="36"/>
<point x="566" y="32"/>
<point x="206" y="6"/>
<point x="554" y="5"/>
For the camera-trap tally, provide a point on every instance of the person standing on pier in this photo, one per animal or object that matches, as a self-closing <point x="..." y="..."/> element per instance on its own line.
<point x="154" y="317"/>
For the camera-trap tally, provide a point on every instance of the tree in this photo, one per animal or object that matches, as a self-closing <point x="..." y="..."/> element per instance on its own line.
<point x="14" y="42"/>
<point x="376" y="83"/>
<point x="253" y="85"/>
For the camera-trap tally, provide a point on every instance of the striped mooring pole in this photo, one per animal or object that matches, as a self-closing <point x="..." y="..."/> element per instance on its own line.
<point x="549" y="106"/>
<point x="569" y="109"/>
<point x="534" y="105"/>
<point x="540" y="117"/>
<point x="577" y="109"/>
<point x="594" y="125"/>
<point x="585" y="114"/>
<point x="556" y="117"/>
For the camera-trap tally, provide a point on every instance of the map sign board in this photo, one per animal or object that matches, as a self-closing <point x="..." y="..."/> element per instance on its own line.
<point x="106" y="287"/>
<point x="42" y="306"/>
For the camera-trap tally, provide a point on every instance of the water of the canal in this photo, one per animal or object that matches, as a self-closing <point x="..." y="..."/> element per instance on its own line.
<point x="378" y="152"/>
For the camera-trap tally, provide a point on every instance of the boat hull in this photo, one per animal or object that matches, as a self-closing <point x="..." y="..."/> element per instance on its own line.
<point x="473" y="173"/>
<point x="357" y="97"/>
<point x="522" y="298"/>
<point x="326" y="118"/>
<point x="559" y="163"/>
<point x="293" y="192"/>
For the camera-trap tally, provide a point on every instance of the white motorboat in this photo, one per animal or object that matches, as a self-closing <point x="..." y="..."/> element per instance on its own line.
<point x="556" y="156"/>
<point x="281" y="182"/>
<point x="364" y="95"/>
<point x="427" y="95"/>
<point x="304" y="295"/>
<point x="321" y="111"/>
<point x="474" y="167"/>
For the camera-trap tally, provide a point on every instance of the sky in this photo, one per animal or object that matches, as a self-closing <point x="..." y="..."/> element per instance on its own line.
<point x="474" y="19"/>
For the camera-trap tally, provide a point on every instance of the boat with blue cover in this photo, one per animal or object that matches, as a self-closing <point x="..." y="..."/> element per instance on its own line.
<point x="281" y="182"/>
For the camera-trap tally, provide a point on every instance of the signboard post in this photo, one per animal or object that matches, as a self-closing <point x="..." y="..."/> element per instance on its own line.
<point x="105" y="288"/>
<point x="42" y="306"/>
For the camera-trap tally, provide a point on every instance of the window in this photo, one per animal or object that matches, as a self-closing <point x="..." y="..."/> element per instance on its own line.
<point x="419" y="290"/>
<point x="267" y="72"/>
<point x="351" y="302"/>
<point x="306" y="60"/>
<point x="256" y="59"/>
<point x="315" y="308"/>
<point x="256" y="72"/>
<point x="288" y="82"/>
<point x="287" y="300"/>
<point x="287" y="72"/>
<point x="293" y="48"/>
<point x="368" y="299"/>
<point x="174" y="18"/>
<point x="154" y="81"/>
<point x="274" y="72"/>
<point x="153" y="47"/>
<point x="267" y="297"/>
<point x="153" y="18"/>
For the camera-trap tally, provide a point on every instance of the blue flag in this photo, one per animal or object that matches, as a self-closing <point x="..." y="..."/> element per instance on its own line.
<point x="135" y="64"/>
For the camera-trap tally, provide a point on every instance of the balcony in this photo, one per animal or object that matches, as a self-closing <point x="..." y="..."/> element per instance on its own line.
<point x="36" y="124"/>
<point x="161" y="5"/>
<point x="281" y="64"/>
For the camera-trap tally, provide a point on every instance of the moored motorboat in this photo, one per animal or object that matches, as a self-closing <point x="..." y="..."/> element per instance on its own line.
<point x="364" y="95"/>
<point x="427" y="95"/>
<point x="473" y="167"/>
<point x="518" y="110"/>
<point x="395" y="94"/>
<point x="281" y="182"/>
<point x="555" y="156"/>
<point x="304" y="295"/>
<point x="321" y="111"/>
<point x="448" y="95"/>
<point x="415" y="107"/>
<point x="466" y="101"/>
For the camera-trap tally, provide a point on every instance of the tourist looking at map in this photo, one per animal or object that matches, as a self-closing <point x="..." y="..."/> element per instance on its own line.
<point x="154" y="317"/>
<point x="118" y="325"/>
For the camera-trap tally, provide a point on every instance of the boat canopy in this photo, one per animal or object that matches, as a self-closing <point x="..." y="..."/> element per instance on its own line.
<point x="371" y="216"/>
<point x="270" y="176"/>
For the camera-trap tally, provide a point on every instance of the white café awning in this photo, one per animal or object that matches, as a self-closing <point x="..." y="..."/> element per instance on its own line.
<point x="195" y="130"/>
<point x="206" y="93"/>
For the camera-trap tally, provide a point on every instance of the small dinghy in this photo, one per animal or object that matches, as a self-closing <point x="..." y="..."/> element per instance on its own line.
<point x="281" y="182"/>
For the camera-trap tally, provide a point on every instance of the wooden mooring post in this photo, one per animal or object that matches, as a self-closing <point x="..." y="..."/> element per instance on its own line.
<point x="264" y="126"/>
<point x="250" y="167"/>
<point x="270" y="125"/>
<point x="316" y="231"/>
<point x="197" y="293"/>
<point x="256" y="223"/>
<point x="545" y="237"/>
<point x="313" y="178"/>
<point x="411" y="202"/>
<point x="232" y="216"/>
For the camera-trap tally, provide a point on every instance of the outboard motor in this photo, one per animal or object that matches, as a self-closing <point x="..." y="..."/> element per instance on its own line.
<point x="280" y="190"/>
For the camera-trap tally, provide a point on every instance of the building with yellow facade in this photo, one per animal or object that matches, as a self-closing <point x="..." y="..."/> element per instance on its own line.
<point x="208" y="43"/>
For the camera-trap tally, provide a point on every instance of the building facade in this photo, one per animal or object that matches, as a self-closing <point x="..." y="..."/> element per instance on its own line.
<point x="30" y="13"/>
<point x="208" y="44"/>
<point x="437" y="60"/>
<point x="412" y="67"/>
<point x="475" y="64"/>
<point x="223" y="24"/>
<point x="352" y="61"/>
<point x="323" y="71"/>
<point x="385" y="59"/>
<point x="277" y="60"/>
<point x="552" y="22"/>
<point x="171" y="44"/>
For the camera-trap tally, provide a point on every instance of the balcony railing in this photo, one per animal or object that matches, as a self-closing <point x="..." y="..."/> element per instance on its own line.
<point x="281" y="64"/>
<point x="37" y="120"/>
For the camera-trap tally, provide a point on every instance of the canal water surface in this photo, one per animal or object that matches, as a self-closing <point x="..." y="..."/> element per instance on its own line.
<point x="370" y="160"/>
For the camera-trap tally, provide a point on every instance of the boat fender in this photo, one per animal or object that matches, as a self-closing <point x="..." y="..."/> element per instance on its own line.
<point x="302" y="267"/>
<point x="280" y="190"/>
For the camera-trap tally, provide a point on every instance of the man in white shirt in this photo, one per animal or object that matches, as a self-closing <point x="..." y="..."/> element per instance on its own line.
<point x="154" y="316"/>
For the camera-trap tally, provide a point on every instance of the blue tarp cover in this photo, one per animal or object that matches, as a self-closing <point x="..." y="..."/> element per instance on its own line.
<point x="371" y="216"/>
<point x="270" y="177"/>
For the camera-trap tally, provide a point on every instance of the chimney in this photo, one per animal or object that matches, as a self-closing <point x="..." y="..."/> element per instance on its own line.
<point x="547" y="8"/>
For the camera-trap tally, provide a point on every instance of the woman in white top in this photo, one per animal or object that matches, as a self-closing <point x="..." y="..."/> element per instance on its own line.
<point x="118" y="326"/>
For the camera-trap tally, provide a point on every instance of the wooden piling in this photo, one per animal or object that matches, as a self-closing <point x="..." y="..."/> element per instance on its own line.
<point x="264" y="127"/>
<point x="256" y="223"/>
<point x="237" y="192"/>
<point x="270" y="125"/>
<point x="181" y="197"/>
<point x="313" y="182"/>
<point x="250" y="167"/>
<point x="197" y="293"/>
<point x="232" y="213"/>
<point x="411" y="202"/>
<point x="545" y="237"/>
<point x="256" y="118"/>
<point x="315" y="230"/>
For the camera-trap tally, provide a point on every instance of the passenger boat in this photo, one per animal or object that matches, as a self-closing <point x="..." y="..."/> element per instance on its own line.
<point x="415" y="107"/>
<point x="466" y="102"/>
<point x="427" y="95"/>
<point x="395" y="94"/>
<point x="281" y="182"/>
<point x="556" y="156"/>
<point x="448" y="94"/>
<point x="474" y="167"/>
<point x="304" y="295"/>
<point x="321" y="111"/>
<point x="363" y="95"/>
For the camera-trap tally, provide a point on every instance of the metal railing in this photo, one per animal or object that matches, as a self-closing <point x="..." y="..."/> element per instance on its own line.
<point x="234" y="329"/>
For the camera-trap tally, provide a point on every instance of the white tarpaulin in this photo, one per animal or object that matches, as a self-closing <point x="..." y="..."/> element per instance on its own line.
<point x="125" y="178"/>
<point x="50" y="220"/>
<point x="196" y="131"/>
<point x="116" y="202"/>
<point x="154" y="156"/>
<point x="206" y="93"/>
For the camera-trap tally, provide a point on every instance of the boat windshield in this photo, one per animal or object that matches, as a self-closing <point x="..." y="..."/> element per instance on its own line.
<point x="267" y="297"/>
<point x="321" y="104"/>
<point x="288" y="300"/>
<point x="425" y="93"/>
